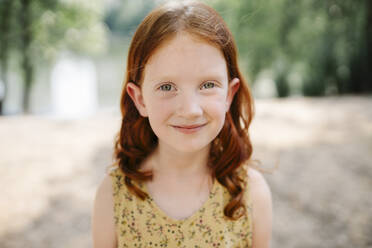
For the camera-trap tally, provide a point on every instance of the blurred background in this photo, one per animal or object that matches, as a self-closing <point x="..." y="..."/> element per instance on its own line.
<point x="308" y="63"/>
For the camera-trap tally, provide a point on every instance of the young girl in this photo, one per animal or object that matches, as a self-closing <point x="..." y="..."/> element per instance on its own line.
<point x="182" y="175"/>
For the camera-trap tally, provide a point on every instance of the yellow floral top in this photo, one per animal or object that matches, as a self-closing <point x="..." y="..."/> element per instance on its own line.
<point x="141" y="223"/>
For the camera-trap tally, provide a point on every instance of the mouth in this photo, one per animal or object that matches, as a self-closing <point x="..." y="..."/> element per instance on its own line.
<point x="189" y="129"/>
<point x="191" y="126"/>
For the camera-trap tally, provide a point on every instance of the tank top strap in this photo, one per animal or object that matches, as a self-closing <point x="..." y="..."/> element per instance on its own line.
<point x="122" y="198"/>
<point x="117" y="178"/>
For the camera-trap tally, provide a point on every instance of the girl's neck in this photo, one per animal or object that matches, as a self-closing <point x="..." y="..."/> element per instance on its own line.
<point x="166" y="162"/>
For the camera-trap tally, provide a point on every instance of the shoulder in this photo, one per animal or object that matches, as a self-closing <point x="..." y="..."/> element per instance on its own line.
<point x="260" y="195"/>
<point x="105" y="189"/>
<point x="259" y="189"/>
<point x="257" y="180"/>
<point x="103" y="224"/>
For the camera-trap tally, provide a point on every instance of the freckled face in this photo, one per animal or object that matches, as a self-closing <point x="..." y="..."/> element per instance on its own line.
<point x="186" y="93"/>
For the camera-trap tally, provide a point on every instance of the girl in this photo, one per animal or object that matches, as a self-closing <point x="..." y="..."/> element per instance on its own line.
<point x="182" y="175"/>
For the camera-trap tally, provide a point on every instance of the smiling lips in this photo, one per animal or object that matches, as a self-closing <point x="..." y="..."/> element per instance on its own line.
<point x="190" y="128"/>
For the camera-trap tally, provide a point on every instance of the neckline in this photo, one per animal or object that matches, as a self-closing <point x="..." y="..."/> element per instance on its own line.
<point x="172" y="220"/>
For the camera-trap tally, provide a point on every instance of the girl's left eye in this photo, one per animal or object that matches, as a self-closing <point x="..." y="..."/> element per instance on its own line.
<point x="166" y="87"/>
<point x="209" y="85"/>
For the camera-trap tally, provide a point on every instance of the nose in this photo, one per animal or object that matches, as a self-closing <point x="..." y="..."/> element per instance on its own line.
<point x="189" y="106"/>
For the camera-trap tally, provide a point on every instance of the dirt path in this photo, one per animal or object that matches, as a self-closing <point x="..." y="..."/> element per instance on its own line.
<point x="49" y="170"/>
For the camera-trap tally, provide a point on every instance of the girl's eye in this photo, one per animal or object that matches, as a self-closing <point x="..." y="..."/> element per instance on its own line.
<point x="209" y="85"/>
<point x="165" y="87"/>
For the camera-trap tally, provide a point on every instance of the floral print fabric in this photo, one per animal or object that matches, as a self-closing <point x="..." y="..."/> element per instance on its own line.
<point x="141" y="223"/>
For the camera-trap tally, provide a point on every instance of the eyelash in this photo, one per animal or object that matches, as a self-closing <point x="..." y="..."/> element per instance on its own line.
<point x="214" y="85"/>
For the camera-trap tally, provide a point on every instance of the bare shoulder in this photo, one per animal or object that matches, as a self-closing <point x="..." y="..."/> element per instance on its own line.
<point x="103" y="225"/>
<point x="261" y="199"/>
<point x="256" y="178"/>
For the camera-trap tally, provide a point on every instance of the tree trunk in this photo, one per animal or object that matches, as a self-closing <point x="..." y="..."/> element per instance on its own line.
<point x="5" y="16"/>
<point x="26" y="39"/>
<point x="368" y="62"/>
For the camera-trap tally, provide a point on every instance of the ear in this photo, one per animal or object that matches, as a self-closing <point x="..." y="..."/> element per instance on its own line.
<point x="232" y="89"/>
<point x="135" y="94"/>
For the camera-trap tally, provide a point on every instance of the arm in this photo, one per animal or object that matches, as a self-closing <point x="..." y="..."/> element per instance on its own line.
<point x="103" y="225"/>
<point x="262" y="209"/>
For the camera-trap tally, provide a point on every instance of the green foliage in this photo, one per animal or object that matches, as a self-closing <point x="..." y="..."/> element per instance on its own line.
<point x="37" y="30"/>
<point x="69" y="25"/>
<point x="324" y="43"/>
<point x="123" y="17"/>
<point x="60" y="25"/>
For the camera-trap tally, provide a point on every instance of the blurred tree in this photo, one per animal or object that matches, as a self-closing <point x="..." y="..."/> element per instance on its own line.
<point x="45" y="27"/>
<point x="336" y="55"/>
<point x="6" y="9"/>
<point x="124" y="16"/>
<point x="25" y="48"/>
<point x="361" y="62"/>
<point x="326" y="44"/>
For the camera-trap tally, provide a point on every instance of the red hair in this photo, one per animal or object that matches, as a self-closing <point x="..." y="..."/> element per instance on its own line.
<point x="135" y="141"/>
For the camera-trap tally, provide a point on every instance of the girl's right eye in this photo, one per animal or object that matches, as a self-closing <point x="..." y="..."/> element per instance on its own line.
<point x="165" y="87"/>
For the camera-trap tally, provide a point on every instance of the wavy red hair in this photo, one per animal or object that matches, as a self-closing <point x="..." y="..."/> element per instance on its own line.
<point x="135" y="141"/>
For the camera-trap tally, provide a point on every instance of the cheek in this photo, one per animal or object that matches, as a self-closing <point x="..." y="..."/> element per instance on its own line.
<point x="215" y="107"/>
<point x="158" y="113"/>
